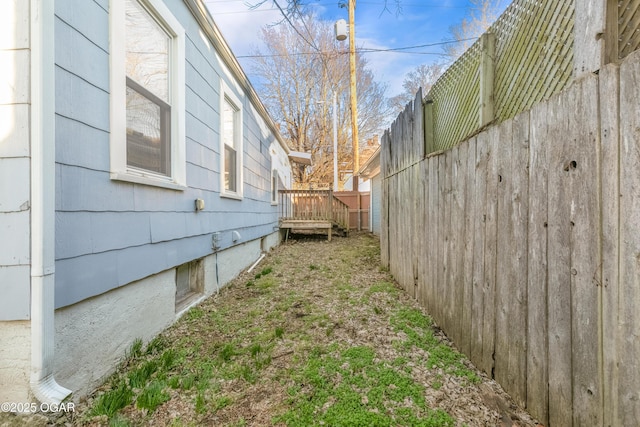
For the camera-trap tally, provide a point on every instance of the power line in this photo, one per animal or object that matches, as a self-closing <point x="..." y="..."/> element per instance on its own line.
<point x="327" y="3"/>
<point x="367" y="50"/>
<point x="286" y="17"/>
<point x="396" y="49"/>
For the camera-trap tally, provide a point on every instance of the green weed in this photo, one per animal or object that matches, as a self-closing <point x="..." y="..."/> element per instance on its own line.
<point x="227" y="352"/>
<point x="201" y="403"/>
<point x="136" y="349"/>
<point x="174" y="382"/>
<point x="194" y="314"/>
<point x="113" y="400"/>
<point x="169" y="359"/>
<point x="118" y="421"/>
<point x="156" y="345"/>
<point x="220" y="402"/>
<point x="264" y="272"/>
<point x="255" y="349"/>
<point x="139" y="377"/>
<point x="279" y="332"/>
<point x="266" y="283"/>
<point x="187" y="382"/>
<point x="152" y="396"/>
<point x="383" y="287"/>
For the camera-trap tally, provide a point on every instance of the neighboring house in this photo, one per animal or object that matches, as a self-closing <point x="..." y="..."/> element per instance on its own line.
<point x="138" y="174"/>
<point x="370" y="173"/>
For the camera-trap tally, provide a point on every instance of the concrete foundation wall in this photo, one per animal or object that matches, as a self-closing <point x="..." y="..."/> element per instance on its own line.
<point x="94" y="335"/>
<point x="15" y="361"/>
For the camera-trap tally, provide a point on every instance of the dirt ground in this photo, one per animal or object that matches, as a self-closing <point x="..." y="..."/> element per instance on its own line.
<point x="308" y="298"/>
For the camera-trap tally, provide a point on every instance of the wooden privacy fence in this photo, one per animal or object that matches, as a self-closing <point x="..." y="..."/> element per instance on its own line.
<point x="523" y="243"/>
<point x="358" y="212"/>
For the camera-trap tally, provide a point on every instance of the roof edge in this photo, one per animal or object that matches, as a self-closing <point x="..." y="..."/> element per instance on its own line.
<point x="204" y="18"/>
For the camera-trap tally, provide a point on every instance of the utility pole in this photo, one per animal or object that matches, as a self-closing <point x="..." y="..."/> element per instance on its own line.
<point x="354" y="97"/>
<point x="335" y="140"/>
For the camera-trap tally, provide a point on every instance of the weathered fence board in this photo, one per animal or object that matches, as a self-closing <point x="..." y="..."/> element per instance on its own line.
<point x="629" y="312"/>
<point x="416" y="223"/>
<point x="441" y="282"/>
<point x="523" y="244"/>
<point x="479" y="203"/>
<point x="559" y="268"/>
<point x="582" y="178"/>
<point x="456" y="284"/>
<point x="490" y="254"/>
<point x="434" y="235"/>
<point x="448" y="253"/>
<point x="469" y="217"/>
<point x="537" y="294"/>
<point x="385" y="196"/>
<point x="505" y="276"/>
<point x="424" y="261"/>
<point x="610" y="151"/>
<point x="519" y="258"/>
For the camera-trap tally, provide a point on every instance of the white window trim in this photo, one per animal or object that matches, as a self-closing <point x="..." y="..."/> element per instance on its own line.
<point x="225" y="92"/>
<point x="118" y="137"/>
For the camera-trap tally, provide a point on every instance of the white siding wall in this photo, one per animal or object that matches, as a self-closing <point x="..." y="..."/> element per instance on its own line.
<point x="15" y="331"/>
<point x="14" y="160"/>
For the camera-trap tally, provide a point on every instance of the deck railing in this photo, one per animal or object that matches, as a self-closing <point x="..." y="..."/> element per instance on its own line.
<point x="313" y="205"/>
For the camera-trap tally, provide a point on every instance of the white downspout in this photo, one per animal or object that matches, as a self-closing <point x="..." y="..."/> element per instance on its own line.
<point x="42" y="98"/>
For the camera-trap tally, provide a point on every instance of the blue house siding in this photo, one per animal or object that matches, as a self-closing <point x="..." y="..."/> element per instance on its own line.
<point x="110" y="233"/>
<point x="84" y="146"/>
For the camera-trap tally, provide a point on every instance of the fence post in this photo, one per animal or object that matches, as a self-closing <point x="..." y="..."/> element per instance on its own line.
<point x="611" y="49"/>
<point x="590" y="35"/>
<point x="487" y="60"/>
<point x="330" y="204"/>
<point x="429" y="136"/>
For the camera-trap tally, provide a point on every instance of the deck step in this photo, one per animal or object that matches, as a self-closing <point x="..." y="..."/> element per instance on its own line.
<point x="308" y="225"/>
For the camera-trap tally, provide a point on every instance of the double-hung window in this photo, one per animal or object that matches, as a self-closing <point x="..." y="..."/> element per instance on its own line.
<point x="147" y="94"/>
<point x="231" y="144"/>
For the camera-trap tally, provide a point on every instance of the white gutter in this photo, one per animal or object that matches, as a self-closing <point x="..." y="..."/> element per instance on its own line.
<point x="42" y="97"/>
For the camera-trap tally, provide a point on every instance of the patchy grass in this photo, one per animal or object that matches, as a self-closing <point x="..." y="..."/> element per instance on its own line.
<point x="321" y="335"/>
<point x="355" y="388"/>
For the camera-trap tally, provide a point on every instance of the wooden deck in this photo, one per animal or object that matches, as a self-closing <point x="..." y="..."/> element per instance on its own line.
<point x="312" y="210"/>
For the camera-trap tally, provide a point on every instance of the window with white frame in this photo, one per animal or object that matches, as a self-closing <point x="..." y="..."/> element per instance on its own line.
<point x="147" y="94"/>
<point x="231" y="144"/>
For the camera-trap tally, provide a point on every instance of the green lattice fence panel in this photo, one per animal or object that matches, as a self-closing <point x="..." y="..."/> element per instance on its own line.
<point x="534" y="54"/>
<point x="533" y="60"/>
<point x="455" y="100"/>
<point x="628" y="27"/>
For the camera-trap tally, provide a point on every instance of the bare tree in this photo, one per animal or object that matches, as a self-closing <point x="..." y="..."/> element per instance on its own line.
<point x="298" y="78"/>
<point x="423" y="76"/>
<point x="298" y="8"/>
<point x="479" y="18"/>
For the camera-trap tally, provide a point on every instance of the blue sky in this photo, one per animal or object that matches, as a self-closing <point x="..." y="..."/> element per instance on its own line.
<point x="419" y="22"/>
